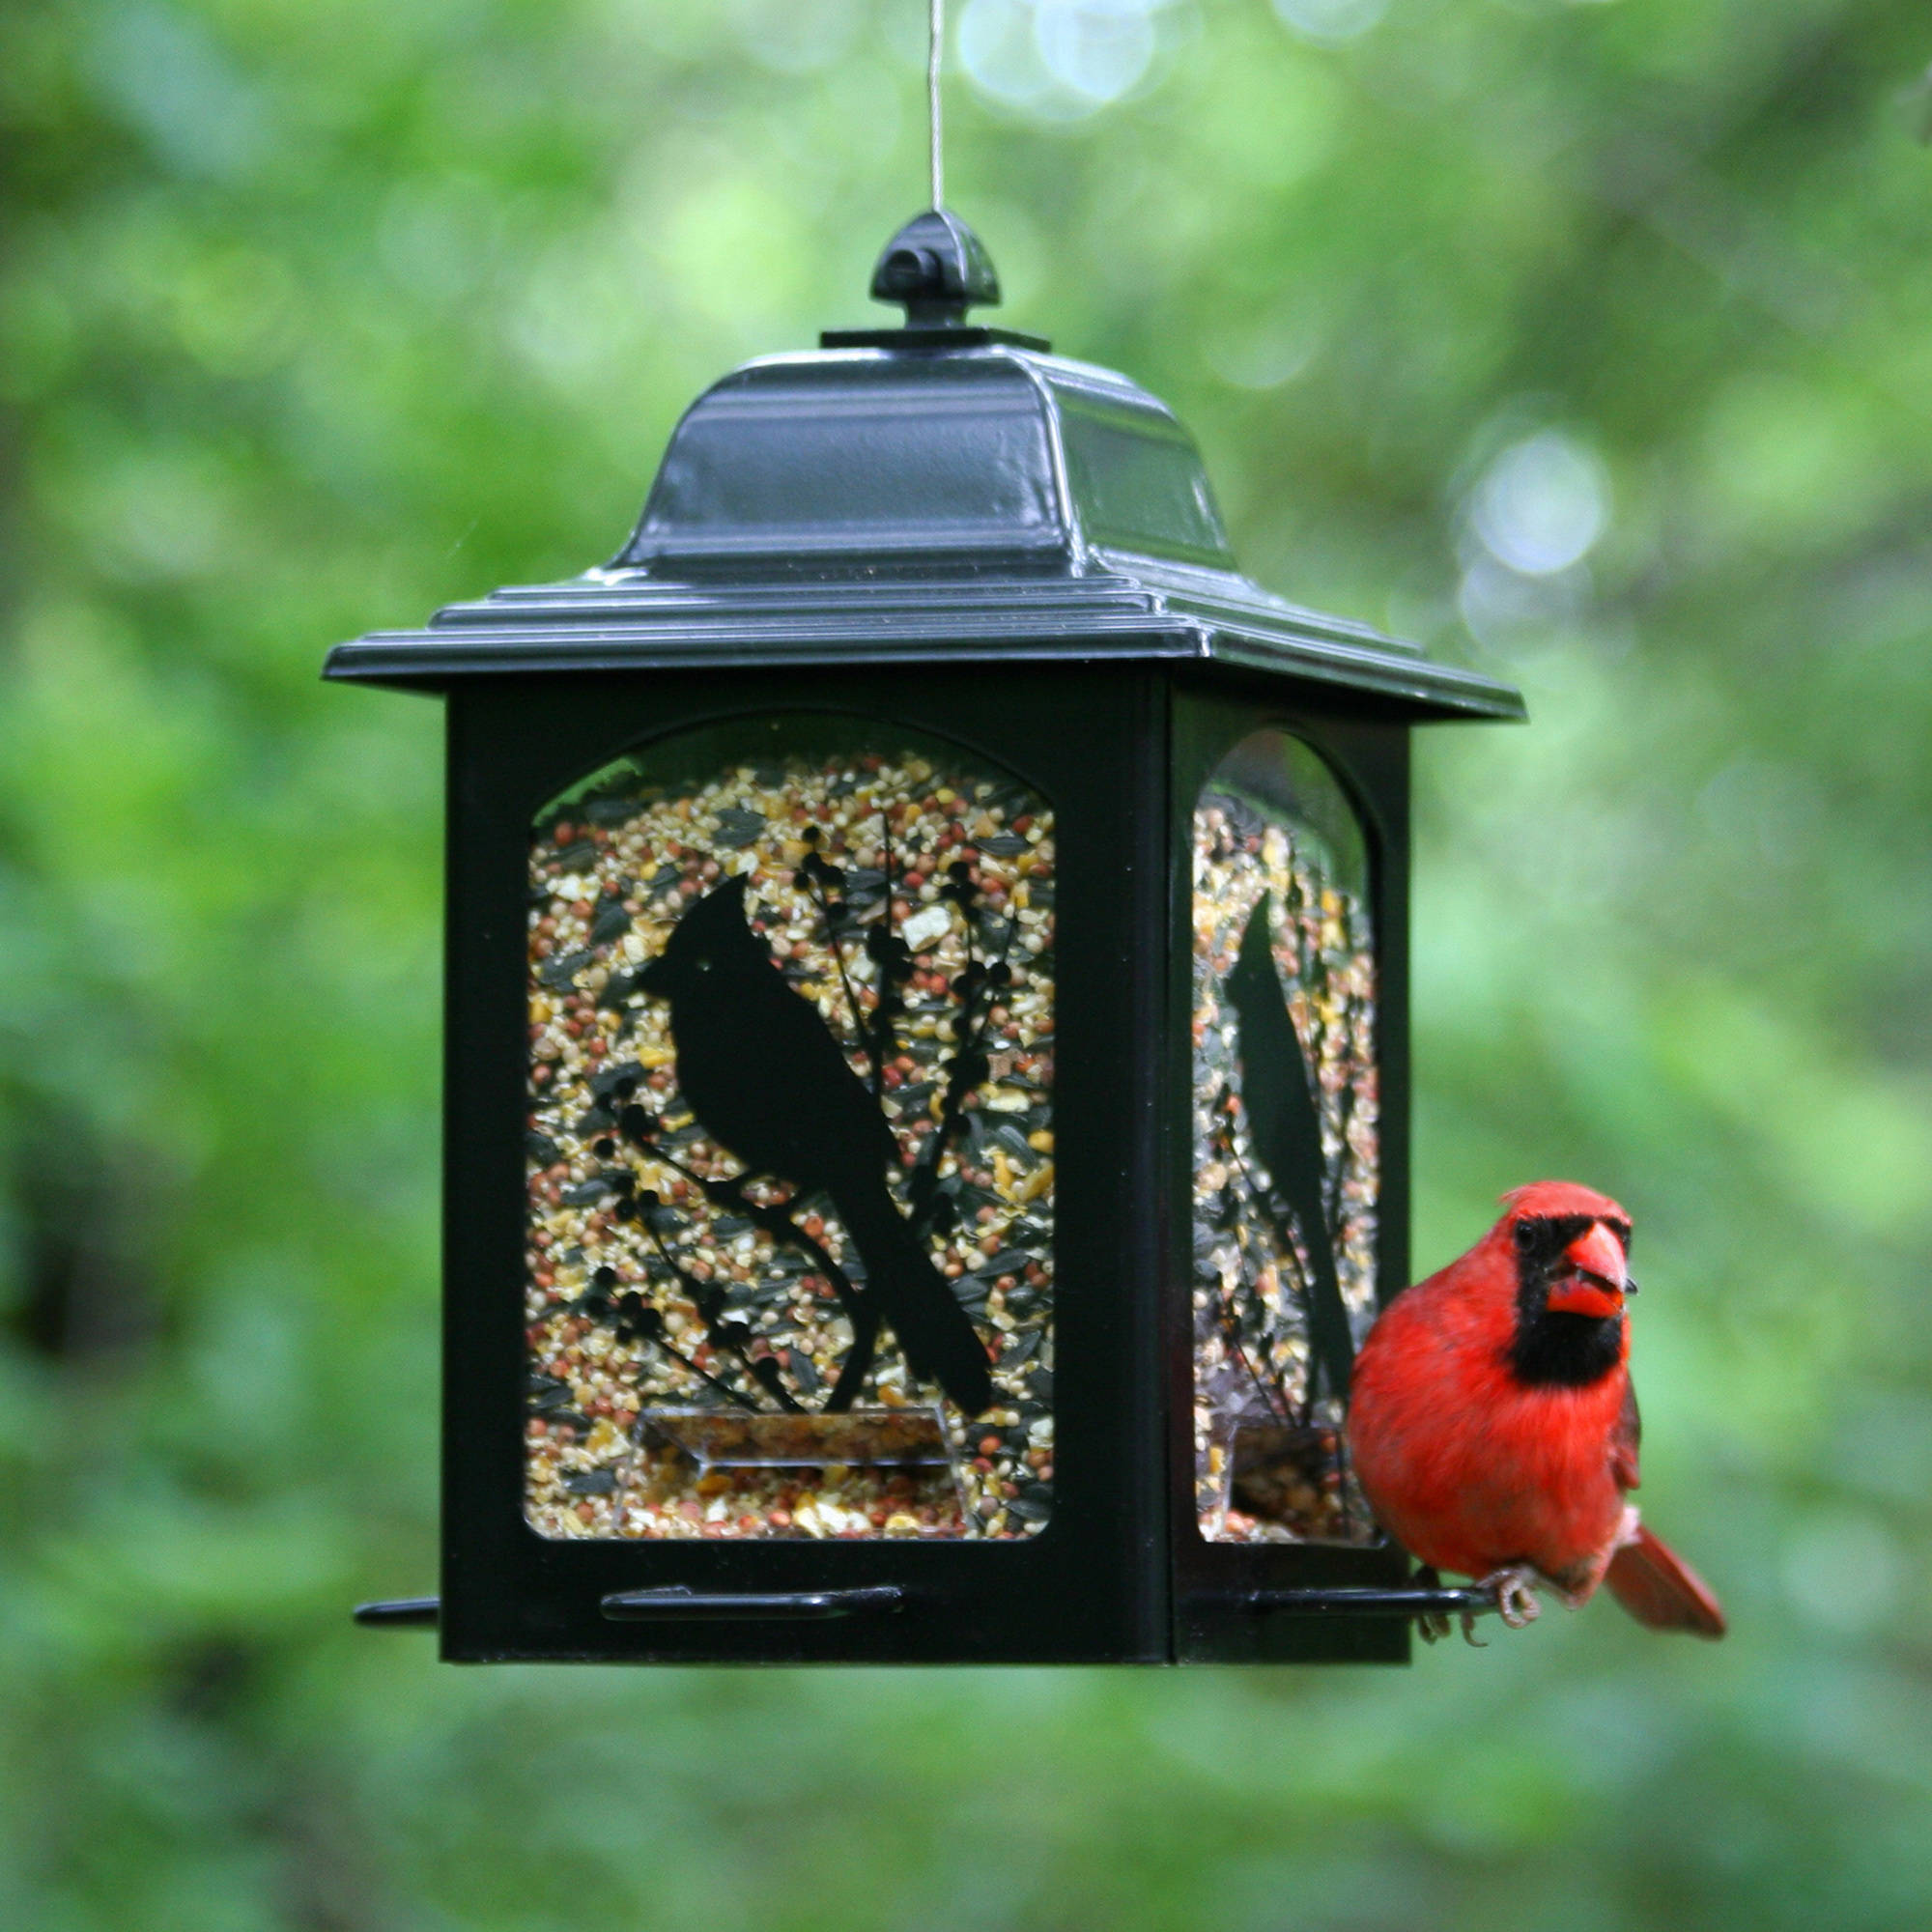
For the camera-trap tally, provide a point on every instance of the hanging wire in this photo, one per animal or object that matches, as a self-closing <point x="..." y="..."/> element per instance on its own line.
<point x="935" y="51"/>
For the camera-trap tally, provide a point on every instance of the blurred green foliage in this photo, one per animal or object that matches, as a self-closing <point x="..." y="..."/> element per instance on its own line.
<point x="1591" y="342"/>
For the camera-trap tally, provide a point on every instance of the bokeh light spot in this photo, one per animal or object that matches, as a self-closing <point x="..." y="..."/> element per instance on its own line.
<point x="1331" y="22"/>
<point x="1542" y="504"/>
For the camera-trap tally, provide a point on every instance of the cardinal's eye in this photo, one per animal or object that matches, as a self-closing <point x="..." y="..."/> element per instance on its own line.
<point x="703" y="962"/>
<point x="1524" y="1234"/>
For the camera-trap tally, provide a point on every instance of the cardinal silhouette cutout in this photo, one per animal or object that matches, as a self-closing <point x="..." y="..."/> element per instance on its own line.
<point x="1279" y="1097"/>
<point x="768" y="1080"/>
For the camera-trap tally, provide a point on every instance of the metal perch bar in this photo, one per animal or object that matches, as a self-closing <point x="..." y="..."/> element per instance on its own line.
<point x="676" y="1603"/>
<point x="401" y="1613"/>
<point x="1410" y="1602"/>
<point x="672" y="1604"/>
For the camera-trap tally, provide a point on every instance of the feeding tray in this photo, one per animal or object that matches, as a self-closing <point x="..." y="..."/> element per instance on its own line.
<point x="698" y="1474"/>
<point x="861" y="1438"/>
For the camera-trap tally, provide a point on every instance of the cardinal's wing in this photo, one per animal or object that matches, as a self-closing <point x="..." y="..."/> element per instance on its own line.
<point x="1625" y="1439"/>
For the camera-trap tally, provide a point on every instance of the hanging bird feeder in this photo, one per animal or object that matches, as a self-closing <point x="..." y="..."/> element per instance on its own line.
<point x="926" y="1079"/>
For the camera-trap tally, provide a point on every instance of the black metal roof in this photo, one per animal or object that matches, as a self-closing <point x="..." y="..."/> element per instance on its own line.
<point x="935" y="494"/>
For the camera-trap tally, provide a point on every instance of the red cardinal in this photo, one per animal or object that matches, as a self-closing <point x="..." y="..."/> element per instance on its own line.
<point x="1494" y="1429"/>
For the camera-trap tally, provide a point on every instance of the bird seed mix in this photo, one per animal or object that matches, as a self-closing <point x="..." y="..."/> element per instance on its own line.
<point x="688" y="1324"/>
<point x="1276" y="839"/>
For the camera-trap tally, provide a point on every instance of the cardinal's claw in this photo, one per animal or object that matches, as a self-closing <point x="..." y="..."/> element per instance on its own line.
<point x="1469" y="1636"/>
<point x="1515" y="1590"/>
<point x="1431" y="1625"/>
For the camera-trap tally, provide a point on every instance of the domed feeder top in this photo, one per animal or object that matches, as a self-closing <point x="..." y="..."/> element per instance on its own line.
<point x="940" y="491"/>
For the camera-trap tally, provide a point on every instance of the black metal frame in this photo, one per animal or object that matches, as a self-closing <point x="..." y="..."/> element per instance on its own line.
<point x="1237" y="1602"/>
<point x="1092" y="1585"/>
<point x="1119" y="1573"/>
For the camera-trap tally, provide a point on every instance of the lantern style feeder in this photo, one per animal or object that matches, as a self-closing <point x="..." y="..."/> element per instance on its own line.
<point x="926" y="1082"/>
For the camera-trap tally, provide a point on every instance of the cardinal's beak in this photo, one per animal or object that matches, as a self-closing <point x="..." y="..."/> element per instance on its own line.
<point x="1595" y="1279"/>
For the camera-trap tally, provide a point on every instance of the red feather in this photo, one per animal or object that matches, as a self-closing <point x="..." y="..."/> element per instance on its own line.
<point x="1475" y="1469"/>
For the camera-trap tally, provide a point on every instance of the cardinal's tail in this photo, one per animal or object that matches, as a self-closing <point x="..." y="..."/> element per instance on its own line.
<point x="1659" y="1588"/>
<point x="915" y="1299"/>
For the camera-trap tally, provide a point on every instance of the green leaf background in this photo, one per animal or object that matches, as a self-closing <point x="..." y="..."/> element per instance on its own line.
<point x="312" y="317"/>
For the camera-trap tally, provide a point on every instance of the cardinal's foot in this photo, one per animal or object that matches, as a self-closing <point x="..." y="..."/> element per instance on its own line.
<point x="1514" y="1588"/>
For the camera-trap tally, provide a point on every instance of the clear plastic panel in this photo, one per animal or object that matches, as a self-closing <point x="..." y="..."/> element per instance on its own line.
<point x="1285" y="1143"/>
<point x="790" y="1155"/>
